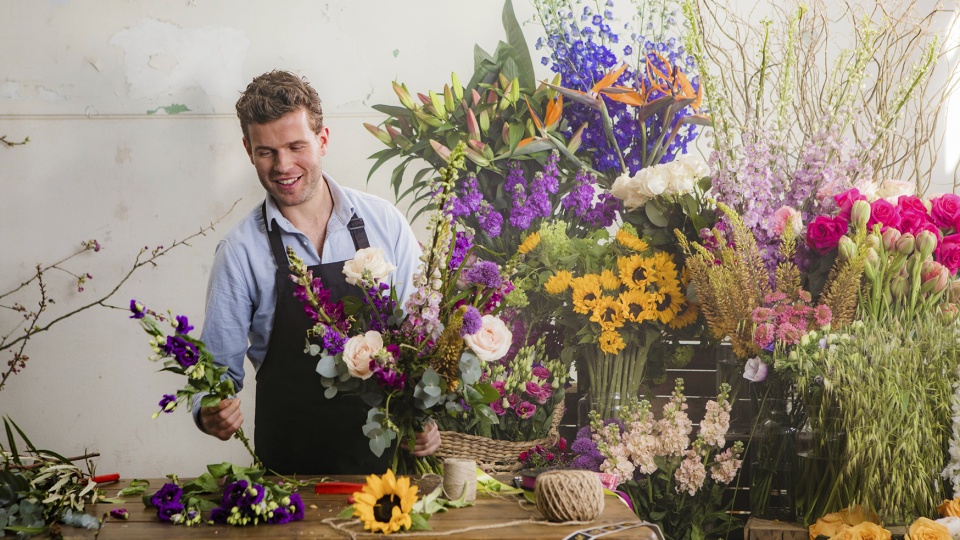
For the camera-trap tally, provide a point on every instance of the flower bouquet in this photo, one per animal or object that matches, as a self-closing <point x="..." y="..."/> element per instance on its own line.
<point x="668" y="480"/>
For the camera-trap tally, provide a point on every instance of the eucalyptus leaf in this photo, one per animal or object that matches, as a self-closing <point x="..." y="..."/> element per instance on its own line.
<point x="327" y="366"/>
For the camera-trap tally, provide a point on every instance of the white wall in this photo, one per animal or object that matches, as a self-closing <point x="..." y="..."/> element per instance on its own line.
<point x="80" y="78"/>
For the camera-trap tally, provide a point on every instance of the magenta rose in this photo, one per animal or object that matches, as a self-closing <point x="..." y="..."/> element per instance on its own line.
<point x="825" y="232"/>
<point x="948" y="253"/>
<point x="884" y="213"/>
<point x="846" y="199"/>
<point x="945" y="209"/>
<point x="912" y="221"/>
<point x="911" y="202"/>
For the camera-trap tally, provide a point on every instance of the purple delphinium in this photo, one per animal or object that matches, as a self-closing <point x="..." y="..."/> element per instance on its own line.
<point x="183" y="325"/>
<point x="484" y="273"/>
<point x="472" y="322"/>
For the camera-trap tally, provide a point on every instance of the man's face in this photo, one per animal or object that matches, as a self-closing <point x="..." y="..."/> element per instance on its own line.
<point x="287" y="155"/>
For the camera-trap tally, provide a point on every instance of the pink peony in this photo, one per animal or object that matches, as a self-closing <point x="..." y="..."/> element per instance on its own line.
<point x="945" y="210"/>
<point x="825" y="232"/>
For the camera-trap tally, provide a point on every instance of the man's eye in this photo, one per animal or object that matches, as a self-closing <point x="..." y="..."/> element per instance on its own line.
<point x="264" y="154"/>
<point x="297" y="148"/>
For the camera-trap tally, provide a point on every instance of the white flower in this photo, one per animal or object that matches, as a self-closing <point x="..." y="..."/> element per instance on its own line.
<point x="952" y="523"/>
<point x="684" y="173"/>
<point x="891" y="190"/>
<point x="625" y="189"/>
<point x="359" y="351"/>
<point x="755" y="370"/>
<point x="370" y="259"/>
<point x="492" y="341"/>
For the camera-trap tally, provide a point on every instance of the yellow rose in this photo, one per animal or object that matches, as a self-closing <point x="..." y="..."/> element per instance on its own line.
<point x="829" y="525"/>
<point x="950" y="507"/>
<point x="867" y="531"/>
<point x="856" y="515"/>
<point x="927" y="529"/>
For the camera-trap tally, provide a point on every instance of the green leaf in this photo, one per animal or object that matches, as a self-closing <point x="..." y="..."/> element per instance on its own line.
<point x="419" y="523"/>
<point x="137" y="486"/>
<point x="382" y="157"/>
<point x="518" y="42"/>
<point x="395" y="111"/>
<point x="11" y="441"/>
<point x="489" y="393"/>
<point x="516" y="135"/>
<point x="346" y="512"/>
<point x="655" y="215"/>
<point x="218" y="470"/>
<point x="210" y="400"/>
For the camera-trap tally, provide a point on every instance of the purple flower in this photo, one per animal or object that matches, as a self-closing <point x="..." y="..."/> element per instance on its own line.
<point x="462" y="245"/>
<point x="532" y="388"/>
<point x="119" y="513"/>
<point x="168" y="403"/>
<point x="137" y="309"/>
<point x="169" y="493"/>
<point x="166" y="511"/>
<point x="297" y="506"/>
<point x="388" y="379"/>
<point x="248" y="500"/>
<point x="220" y="515"/>
<point x="541" y="372"/>
<point x="526" y="410"/>
<point x="183" y="351"/>
<point x="280" y="516"/>
<point x="499" y="386"/>
<point x="183" y="325"/>
<point x="485" y="274"/>
<point x="472" y="321"/>
<point x="233" y="492"/>
<point x="497" y="407"/>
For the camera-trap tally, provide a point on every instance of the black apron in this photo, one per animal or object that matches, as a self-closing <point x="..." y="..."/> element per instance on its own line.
<point x="298" y="430"/>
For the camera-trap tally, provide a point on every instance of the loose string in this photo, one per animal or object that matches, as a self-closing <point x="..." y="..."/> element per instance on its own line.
<point x="341" y="524"/>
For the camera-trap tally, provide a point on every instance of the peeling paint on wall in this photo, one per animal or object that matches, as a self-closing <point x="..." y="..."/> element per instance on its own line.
<point x="9" y="90"/>
<point x="174" y="108"/>
<point x="161" y="58"/>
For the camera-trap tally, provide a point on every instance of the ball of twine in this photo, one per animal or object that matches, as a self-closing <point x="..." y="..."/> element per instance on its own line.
<point x="569" y="495"/>
<point x="459" y="478"/>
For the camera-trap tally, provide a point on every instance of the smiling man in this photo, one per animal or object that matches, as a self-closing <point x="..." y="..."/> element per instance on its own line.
<point x="251" y="310"/>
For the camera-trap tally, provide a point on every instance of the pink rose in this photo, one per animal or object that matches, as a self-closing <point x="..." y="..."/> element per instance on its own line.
<point x="825" y="232"/>
<point x="912" y="221"/>
<point x="945" y="210"/>
<point x="359" y="351"/>
<point x="492" y="341"/>
<point x="948" y="253"/>
<point x="884" y="213"/>
<point x="783" y="215"/>
<point x="913" y="203"/>
<point x="845" y="201"/>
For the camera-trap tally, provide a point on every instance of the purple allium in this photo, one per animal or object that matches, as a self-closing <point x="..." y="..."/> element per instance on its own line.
<point x="137" y="309"/>
<point x="484" y="273"/>
<point x="472" y="322"/>
<point x="183" y="351"/>
<point x="183" y="325"/>
<point x="169" y="493"/>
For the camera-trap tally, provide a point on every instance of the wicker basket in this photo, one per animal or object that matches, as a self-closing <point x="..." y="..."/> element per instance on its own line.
<point x="492" y="455"/>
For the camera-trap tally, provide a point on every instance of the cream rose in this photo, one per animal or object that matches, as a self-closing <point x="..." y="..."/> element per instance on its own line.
<point x="927" y="529"/>
<point x="492" y="341"/>
<point x="371" y="259"/>
<point x="359" y="351"/>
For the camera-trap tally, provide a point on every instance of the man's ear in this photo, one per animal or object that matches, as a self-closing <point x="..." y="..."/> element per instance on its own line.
<point x="323" y="137"/>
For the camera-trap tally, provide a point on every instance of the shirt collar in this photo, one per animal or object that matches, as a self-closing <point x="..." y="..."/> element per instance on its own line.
<point x="343" y="210"/>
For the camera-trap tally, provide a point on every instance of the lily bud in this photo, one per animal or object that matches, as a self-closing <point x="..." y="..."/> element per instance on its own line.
<point x="905" y="244"/>
<point x="899" y="287"/>
<point x="926" y="243"/>
<point x="438" y="105"/>
<point x="423" y="99"/>
<point x="476" y="157"/>
<point x="441" y="150"/>
<point x="847" y="248"/>
<point x="384" y="137"/>
<point x="890" y="237"/>
<point x="448" y="101"/>
<point x="505" y="132"/>
<point x="404" y="96"/>
<point x="473" y="128"/>
<point x="935" y="277"/>
<point x="476" y="97"/>
<point x="457" y="87"/>
<point x="860" y="214"/>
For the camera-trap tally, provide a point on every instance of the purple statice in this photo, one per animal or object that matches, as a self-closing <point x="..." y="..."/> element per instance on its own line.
<point x="472" y="321"/>
<point x="183" y="325"/>
<point x="484" y="273"/>
<point x="137" y="309"/>
<point x="184" y="352"/>
<point x="462" y="244"/>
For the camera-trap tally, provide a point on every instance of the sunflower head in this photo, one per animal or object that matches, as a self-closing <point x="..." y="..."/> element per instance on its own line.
<point x="611" y="342"/>
<point x="637" y="272"/>
<point x="685" y="317"/>
<point x="558" y="282"/>
<point x="586" y="292"/>
<point x="668" y="302"/>
<point x="637" y="305"/>
<point x="529" y="243"/>
<point x="630" y="241"/>
<point x="609" y="280"/>
<point x="608" y="313"/>
<point x="385" y="502"/>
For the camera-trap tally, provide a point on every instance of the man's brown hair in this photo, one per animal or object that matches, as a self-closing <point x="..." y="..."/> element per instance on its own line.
<point x="274" y="94"/>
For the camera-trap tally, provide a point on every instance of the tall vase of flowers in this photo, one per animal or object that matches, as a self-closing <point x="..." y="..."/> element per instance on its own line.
<point x="616" y="378"/>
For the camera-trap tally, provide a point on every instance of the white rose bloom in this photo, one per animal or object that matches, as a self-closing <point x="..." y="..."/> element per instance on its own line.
<point x="653" y="182"/>
<point x="492" y="341"/>
<point x="359" y="351"/>
<point x="627" y="189"/>
<point x="371" y="259"/>
<point x="891" y="190"/>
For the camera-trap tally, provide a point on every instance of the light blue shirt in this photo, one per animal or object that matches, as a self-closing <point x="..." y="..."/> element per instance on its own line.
<point x="241" y="294"/>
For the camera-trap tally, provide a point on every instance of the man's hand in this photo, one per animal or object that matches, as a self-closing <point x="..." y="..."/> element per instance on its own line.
<point x="223" y="420"/>
<point x="428" y="440"/>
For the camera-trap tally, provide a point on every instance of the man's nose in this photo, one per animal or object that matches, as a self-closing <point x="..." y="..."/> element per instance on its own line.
<point x="283" y="161"/>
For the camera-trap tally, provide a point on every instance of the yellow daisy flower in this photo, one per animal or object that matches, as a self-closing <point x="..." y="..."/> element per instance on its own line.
<point x="608" y="313"/>
<point x="609" y="281"/>
<point x="685" y="317"/>
<point x="630" y="241"/>
<point x="531" y="242"/>
<point x="558" y="282"/>
<point x="637" y="305"/>
<point x="385" y="502"/>
<point x="611" y="342"/>
<point x="586" y="292"/>
<point x="636" y="272"/>
<point x="668" y="301"/>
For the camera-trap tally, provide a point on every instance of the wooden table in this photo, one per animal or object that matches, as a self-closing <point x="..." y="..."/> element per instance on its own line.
<point x="523" y="518"/>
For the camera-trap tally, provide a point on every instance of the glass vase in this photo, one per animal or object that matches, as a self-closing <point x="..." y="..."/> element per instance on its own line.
<point x="772" y="461"/>
<point x="730" y="371"/>
<point x="613" y="378"/>
<point x="821" y="447"/>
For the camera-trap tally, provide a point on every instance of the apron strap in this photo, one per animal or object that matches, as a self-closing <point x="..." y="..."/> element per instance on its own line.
<point x="357" y="232"/>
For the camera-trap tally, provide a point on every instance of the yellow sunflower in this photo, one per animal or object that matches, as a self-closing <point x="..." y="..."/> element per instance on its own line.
<point x="637" y="305"/>
<point x="609" y="281"/>
<point x="630" y="241"/>
<point x="385" y="502"/>
<point x="685" y="317"/>
<point x="558" y="282"/>
<point x="608" y="313"/>
<point x="668" y="301"/>
<point x="685" y="276"/>
<point x="664" y="269"/>
<point x="586" y="292"/>
<point x="636" y="272"/>
<point x="611" y="342"/>
<point x="531" y="242"/>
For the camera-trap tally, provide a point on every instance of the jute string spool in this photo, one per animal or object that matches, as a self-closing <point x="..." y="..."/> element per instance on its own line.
<point x="569" y="495"/>
<point x="459" y="477"/>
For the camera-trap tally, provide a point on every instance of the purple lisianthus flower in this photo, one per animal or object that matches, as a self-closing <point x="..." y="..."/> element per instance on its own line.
<point x="485" y="274"/>
<point x="137" y="309"/>
<point x="499" y="386"/>
<point x="541" y="372"/>
<point x="233" y="492"/>
<point x="220" y="515"/>
<point x="472" y="322"/>
<point x="166" y="511"/>
<point x="532" y="388"/>
<point x="183" y="351"/>
<point x="296" y="504"/>
<point x="119" y="513"/>
<point x="168" y="403"/>
<point x="526" y="410"/>
<point x="183" y="325"/>
<point x="279" y="517"/>
<point x="248" y="499"/>
<point x="169" y="493"/>
<point x="497" y="407"/>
